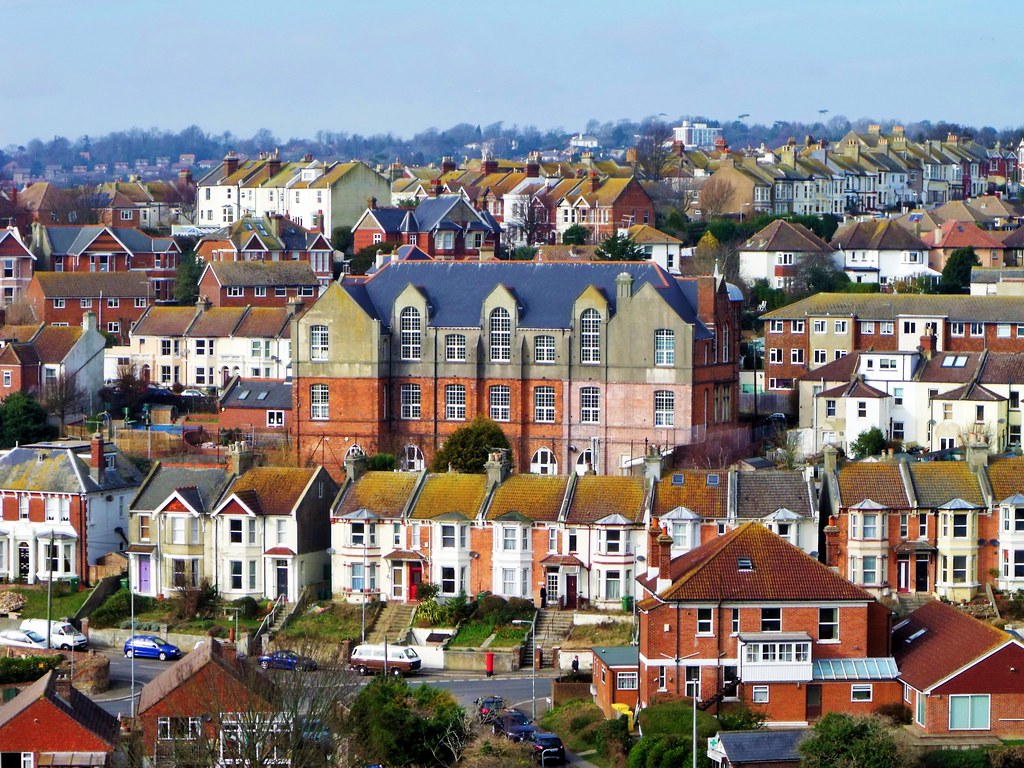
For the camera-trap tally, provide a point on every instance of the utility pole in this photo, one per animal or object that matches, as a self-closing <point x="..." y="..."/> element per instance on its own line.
<point x="49" y="592"/>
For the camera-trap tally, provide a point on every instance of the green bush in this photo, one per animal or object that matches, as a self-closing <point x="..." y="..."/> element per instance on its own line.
<point x="117" y="608"/>
<point x="613" y="739"/>
<point x="26" y="669"/>
<point x="742" y="718"/>
<point x="488" y="605"/>
<point x="1010" y="757"/>
<point x="897" y="713"/>
<point x="249" y="608"/>
<point x="382" y="462"/>
<point x="956" y="758"/>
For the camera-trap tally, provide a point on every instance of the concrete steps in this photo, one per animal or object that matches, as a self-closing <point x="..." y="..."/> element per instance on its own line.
<point x="392" y="623"/>
<point x="551" y="630"/>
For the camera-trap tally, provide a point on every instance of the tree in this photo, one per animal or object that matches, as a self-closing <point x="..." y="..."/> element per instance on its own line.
<point x="182" y="194"/>
<point x="841" y="741"/>
<point x="818" y="273"/>
<point x="131" y="387"/>
<point x="715" y="196"/>
<point x="956" y="275"/>
<point x="870" y="442"/>
<point x="528" y="223"/>
<point x="186" y="282"/>
<point x="341" y="238"/>
<point x="653" y="150"/>
<point x="466" y="449"/>
<point x="577" y="234"/>
<point x="392" y="724"/>
<point x="63" y="396"/>
<point x="619" y="248"/>
<point x="22" y="420"/>
<point x="363" y="259"/>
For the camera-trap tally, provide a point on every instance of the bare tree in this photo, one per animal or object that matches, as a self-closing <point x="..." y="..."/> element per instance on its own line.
<point x="63" y="396"/>
<point x="182" y="195"/>
<point x="528" y="223"/>
<point x="715" y="196"/>
<point x="653" y="150"/>
<point x="19" y="312"/>
<point x="81" y="205"/>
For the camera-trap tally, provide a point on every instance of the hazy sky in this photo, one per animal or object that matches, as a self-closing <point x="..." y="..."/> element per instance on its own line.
<point x="88" y="67"/>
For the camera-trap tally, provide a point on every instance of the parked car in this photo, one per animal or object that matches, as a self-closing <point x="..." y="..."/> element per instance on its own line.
<point x="193" y="393"/>
<point x="488" y="708"/>
<point x="396" y="659"/>
<point x="286" y="660"/>
<point x="150" y="647"/>
<point x="512" y="724"/>
<point x="548" y="749"/>
<point x="22" y="638"/>
<point x="63" y="636"/>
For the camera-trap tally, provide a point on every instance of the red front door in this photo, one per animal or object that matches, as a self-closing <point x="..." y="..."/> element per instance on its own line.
<point x="415" y="577"/>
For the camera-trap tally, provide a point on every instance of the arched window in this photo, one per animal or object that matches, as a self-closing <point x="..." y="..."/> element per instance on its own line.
<point x="355" y="450"/>
<point x="410" y="327"/>
<point x="585" y="462"/>
<point x="412" y="459"/>
<point x="590" y="336"/>
<point x="500" y="335"/>
<point x="318" y="342"/>
<point x="544" y="463"/>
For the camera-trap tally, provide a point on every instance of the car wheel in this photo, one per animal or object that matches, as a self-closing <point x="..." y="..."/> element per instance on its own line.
<point x="265" y="664"/>
<point x="395" y="672"/>
<point x="129" y="653"/>
<point x="163" y="656"/>
<point x="362" y="670"/>
<point x="64" y="647"/>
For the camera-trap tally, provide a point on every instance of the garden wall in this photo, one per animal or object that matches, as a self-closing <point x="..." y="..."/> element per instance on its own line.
<point x="114" y="638"/>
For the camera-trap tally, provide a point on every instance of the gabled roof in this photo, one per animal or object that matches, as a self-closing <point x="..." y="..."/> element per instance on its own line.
<point x="959" y="234"/>
<point x="762" y="747"/>
<point x="385" y="494"/>
<point x="59" y="469"/>
<point x="76" y="706"/>
<point x="880" y="482"/>
<point x="892" y="306"/>
<point x="179" y="673"/>
<point x="53" y="343"/>
<point x="90" y="285"/>
<point x="645" y="234"/>
<point x="202" y="486"/>
<point x="780" y="572"/>
<point x="165" y="321"/>
<point x="278" y="489"/>
<point x="1006" y="476"/>
<point x="937" y="640"/>
<point x="972" y="392"/>
<point x="19" y="332"/>
<point x="691" y="488"/>
<point x="217" y="322"/>
<point x="857" y="388"/>
<point x="762" y="493"/>
<point x="782" y="235"/>
<point x="263" y="273"/>
<point x="938" y="482"/>
<point x="264" y="322"/>
<point x="451" y="494"/>
<point x="597" y="496"/>
<point x="876" y="235"/>
<point x="538" y="497"/>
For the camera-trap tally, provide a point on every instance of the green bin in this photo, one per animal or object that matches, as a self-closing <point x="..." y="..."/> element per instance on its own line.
<point x="74" y="583"/>
<point x="124" y="583"/>
<point x="627" y="603"/>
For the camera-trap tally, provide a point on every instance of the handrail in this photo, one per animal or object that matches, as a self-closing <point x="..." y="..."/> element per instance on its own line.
<point x="268" y="620"/>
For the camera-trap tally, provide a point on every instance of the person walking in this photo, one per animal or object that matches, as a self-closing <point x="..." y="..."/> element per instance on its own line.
<point x="543" y="597"/>
<point x="575" y="665"/>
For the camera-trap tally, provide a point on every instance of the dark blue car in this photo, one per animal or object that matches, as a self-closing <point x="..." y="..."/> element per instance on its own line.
<point x="150" y="647"/>
<point x="286" y="660"/>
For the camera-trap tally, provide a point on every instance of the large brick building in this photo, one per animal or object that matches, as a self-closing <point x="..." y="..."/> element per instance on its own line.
<point x="581" y="364"/>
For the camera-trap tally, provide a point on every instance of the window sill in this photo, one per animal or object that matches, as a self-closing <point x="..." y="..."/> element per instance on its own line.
<point x="829" y="642"/>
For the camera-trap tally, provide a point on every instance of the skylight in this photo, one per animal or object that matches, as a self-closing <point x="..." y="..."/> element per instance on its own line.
<point x="678" y="479"/>
<point x="954" y="361"/>
<point x="713" y="480"/>
<point x="744" y="564"/>
<point x="261" y="396"/>
<point x="914" y="636"/>
<point x="243" y="394"/>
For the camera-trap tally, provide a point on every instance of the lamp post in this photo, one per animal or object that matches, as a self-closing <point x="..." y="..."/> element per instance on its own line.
<point x="362" y="633"/>
<point x="131" y="602"/>
<point x="533" y="662"/>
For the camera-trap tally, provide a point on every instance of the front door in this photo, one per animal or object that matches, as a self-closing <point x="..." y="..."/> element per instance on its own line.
<point x="415" y="577"/>
<point x="921" y="574"/>
<point x="570" y="591"/>
<point x="813" y="702"/>
<point x="903" y="574"/>
<point x="23" y="560"/>
<point x="552" y="586"/>
<point x="145" y="587"/>
<point x="282" y="577"/>
<point x="397" y="581"/>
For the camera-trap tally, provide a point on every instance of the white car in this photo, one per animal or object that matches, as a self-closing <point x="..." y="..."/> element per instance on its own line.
<point x="22" y="638"/>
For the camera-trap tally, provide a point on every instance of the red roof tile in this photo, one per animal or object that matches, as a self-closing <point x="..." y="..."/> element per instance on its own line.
<point x="598" y="496"/>
<point x="694" y="493"/>
<point x="385" y="494"/>
<point x="278" y="488"/>
<point x="879" y="481"/>
<point x="538" y="497"/>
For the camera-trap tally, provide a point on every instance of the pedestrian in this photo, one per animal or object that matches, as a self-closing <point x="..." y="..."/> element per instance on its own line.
<point x="575" y="665"/>
<point x="543" y="597"/>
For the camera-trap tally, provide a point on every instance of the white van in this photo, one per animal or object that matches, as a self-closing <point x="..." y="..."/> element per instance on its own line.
<point x="63" y="636"/>
<point x="397" y="659"/>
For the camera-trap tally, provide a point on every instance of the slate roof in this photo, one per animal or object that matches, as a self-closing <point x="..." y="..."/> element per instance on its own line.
<point x="450" y="492"/>
<point x="538" y="497"/>
<point x="204" y="486"/>
<point x="264" y="273"/>
<point x="545" y="292"/>
<point x="60" y="470"/>
<point x="837" y="370"/>
<point x="262" y="394"/>
<point x="972" y="392"/>
<point x="994" y="275"/>
<point x="856" y="388"/>
<point x="694" y="493"/>
<point x="90" y="285"/>
<point x="766" y="746"/>
<point x="781" y="572"/>
<point x="876" y="235"/>
<point x="937" y="482"/>
<point x="759" y="494"/>
<point x="950" y="641"/>
<point x="879" y="481"/>
<point x="278" y="489"/>
<point x="597" y="496"/>
<point x="782" y="235"/>
<point x="385" y="494"/>
<point x="77" y="707"/>
<point x="879" y="306"/>
<point x="936" y="371"/>
<point x="619" y="655"/>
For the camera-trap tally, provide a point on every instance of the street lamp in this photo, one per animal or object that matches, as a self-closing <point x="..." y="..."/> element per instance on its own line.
<point x="533" y="662"/>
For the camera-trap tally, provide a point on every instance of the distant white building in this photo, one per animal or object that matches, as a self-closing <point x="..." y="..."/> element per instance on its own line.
<point x="694" y="135"/>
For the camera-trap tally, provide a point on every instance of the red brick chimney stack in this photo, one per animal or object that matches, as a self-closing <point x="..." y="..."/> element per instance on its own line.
<point x="832" y="543"/>
<point x="97" y="461"/>
<point x="653" y="553"/>
<point x="230" y="163"/>
<point x="595" y="181"/>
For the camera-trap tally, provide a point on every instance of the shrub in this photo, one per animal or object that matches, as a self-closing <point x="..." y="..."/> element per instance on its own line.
<point x="488" y="605"/>
<point x="382" y="462"/>
<point x="249" y="608"/>
<point x="613" y="738"/>
<point x="955" y="758"/>
<point x="1010" y="757"/>
<point x="117" y="608"/>
<point x="26" y="669"/>
<point x="897" y="713"/>
<point x="427" y="591"/>
<point x="742" y="718"/>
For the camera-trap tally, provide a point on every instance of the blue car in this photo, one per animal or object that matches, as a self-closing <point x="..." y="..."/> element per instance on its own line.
<point x="150" y="647"/>
<point x="286" y="660"/>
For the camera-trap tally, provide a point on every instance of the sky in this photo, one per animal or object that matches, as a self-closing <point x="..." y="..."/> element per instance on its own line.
<point x="402" y="67"/>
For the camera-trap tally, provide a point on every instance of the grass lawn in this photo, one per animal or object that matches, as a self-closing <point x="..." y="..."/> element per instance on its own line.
<point x="577" y="723"/>
<point x="509" y="636"/>
<point x="472" y="634"/>
<point x="64" y="603"/>
<point x="163" y="613"/>
<point x="607" y="633"/>
<point x="328" y="622"/>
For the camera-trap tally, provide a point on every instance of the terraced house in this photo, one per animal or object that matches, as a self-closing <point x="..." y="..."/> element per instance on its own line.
<point x="922" y="529"/>
<point x="581" y="364"/>
<point x="580" y="537"/>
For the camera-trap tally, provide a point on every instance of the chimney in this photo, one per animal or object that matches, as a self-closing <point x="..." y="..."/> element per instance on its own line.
<point x="497" y="468"/>
<point x="623" y="286"/>
<point x="62" y="686"/>
<point x="938" y="235"/>
<point x="977" y="452"/>
<point x="308" y="157"/>
<point x="435" y="188"/>
<point x="488" y="166"/>
<point x="832" y="543"/>
<point x="203" y="303"/>
<point x="533" y="165"/>
<point x="652" y="466"/>
<point x="273" y="165"/>
<point x="294" y="305"/>
<point x="653" y="553"/>
<point x="230" y="163"/>
<point x="89" y="322"/>
<point x="226" y="649"/>
<point x="664" y="562"/>
<point x="447" y="165"/>
<point x="595" y="181"/>
<point x="185" y="176"/>
<point x="240" y="457"/>
<point x="928" y="342"/>
<point x="371" y="203"/>
<point x="274" y="224"/>
<point x="97" y="461"/>
<point x="831" y="456"/>
<point x="381" y="259"/>
<point x="355" y="465"/>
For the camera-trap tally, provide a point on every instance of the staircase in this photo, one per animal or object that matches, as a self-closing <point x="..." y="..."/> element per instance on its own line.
<point x="911" y="602"/>
<point x="551" y="629"/>
<point x="392" y="623"/>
